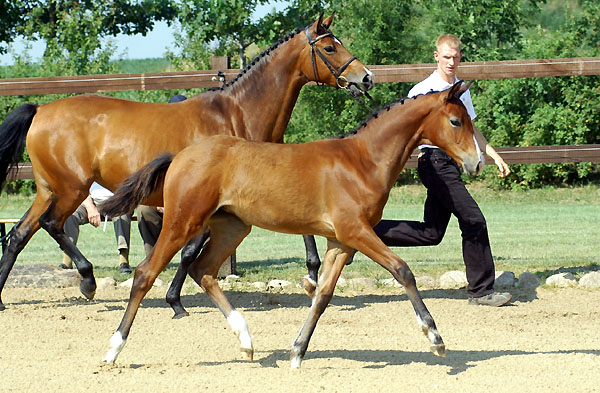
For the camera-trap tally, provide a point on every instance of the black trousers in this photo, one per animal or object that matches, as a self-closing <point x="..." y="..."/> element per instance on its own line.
<point x="446" y="195"/>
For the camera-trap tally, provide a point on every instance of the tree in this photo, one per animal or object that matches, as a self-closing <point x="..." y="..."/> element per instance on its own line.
<point x="488" y="29"/>
<point x="11" y="16"/>
<point x="546" y="111"/>
<point x="74" y="30"/>
<point x="221" y="27"/>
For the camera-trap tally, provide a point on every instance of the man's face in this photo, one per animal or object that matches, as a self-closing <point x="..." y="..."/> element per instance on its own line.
<point x="448" y="60"/>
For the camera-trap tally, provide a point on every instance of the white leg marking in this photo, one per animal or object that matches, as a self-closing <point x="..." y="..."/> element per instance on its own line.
<point x="240" y="327"/>
<point x="432" y="334"/>
<point x="421" y="323"/>
<point x="296" y="362"/>
<point x="116" y="345"/>
<point x="310" y="280"/>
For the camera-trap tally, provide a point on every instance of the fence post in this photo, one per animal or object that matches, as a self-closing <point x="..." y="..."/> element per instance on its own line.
<point x="221" y="63"/>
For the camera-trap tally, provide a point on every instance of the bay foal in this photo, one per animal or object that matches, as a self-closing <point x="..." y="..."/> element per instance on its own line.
<point x="331" y="188"/>
<point x="75" y="141"/>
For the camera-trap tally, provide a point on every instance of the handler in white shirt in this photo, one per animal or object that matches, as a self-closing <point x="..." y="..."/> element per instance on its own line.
<point x="88" y="212"/>
<point x="447" y="194"/>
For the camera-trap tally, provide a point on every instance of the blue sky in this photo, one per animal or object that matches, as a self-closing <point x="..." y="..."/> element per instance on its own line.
<point x="154" y="44"/>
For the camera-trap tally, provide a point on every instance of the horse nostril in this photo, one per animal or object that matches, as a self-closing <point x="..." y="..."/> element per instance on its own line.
<point x="479" y="168"/>
<point x="367" y="79"/>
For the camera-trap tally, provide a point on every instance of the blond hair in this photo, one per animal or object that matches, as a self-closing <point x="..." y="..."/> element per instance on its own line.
<point x="448" y="39"/>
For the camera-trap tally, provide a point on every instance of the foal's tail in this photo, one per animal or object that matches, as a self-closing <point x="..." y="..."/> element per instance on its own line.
<point x="137" y="187"/>
<point x="12" y="138"/>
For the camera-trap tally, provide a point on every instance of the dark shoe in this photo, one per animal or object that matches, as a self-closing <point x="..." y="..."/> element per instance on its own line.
<point x="495" y="299"/>
<point x="125" y="268"/>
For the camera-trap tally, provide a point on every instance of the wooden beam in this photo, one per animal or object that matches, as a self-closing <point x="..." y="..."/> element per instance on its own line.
<point x="537" y="154"/>
<point x="512" y="155"/>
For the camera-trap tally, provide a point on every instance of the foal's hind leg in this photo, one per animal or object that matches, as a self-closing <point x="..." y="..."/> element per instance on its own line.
<point x="188" y="255"/>
<point x="335" y="259"/>
<point x="226" y="233"/>
<point x="167" y="245"/>
<point x="18" y="238"/>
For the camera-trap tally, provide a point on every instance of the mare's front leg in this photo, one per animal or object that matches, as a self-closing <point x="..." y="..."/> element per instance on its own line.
<point x="188" y="255"/>
<point x="335" y="259"/>
<point x="313" y="263"/>
<point x="18" y="237"/>
<point x="371" y="245"/>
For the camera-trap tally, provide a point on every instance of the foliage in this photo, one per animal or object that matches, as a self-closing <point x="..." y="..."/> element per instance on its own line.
<point x="488" y="29"/>
<point x="217" y="27"/>
<point x="546" y="111"/>
<point x="10" y="18"/>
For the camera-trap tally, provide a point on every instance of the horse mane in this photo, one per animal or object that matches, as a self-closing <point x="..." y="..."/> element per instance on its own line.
<point x="385" y="108"/>
<point x="257" y="60"/>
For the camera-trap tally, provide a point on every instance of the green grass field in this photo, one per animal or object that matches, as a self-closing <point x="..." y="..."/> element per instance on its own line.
<point x="540" y="231"/>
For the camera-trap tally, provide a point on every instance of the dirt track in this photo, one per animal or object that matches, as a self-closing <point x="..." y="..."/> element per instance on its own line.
<point x="546" y="341"/>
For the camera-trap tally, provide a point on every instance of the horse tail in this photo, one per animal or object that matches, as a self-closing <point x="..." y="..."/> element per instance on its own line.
<point x="137" y="188"/>
<point x="12" y="138"/>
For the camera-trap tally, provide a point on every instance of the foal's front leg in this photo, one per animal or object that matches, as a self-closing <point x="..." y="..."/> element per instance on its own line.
<point x="372" y="246"/>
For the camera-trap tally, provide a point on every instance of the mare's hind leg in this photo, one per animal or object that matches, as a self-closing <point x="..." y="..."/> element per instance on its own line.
<point x="226" y="233"/>
<point x="53" y="220"/>
<point x="18" y="238"/>
<point x="335" y="259"/>
<point x="188" y="255"/>
<point x="313" y="263"/>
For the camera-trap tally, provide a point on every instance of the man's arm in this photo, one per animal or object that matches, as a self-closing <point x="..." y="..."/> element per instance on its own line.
<point x="503" y="169"/>
<point x="92" y="211"/>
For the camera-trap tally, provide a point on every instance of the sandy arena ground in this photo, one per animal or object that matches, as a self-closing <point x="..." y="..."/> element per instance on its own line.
<point x="367" y="341"/>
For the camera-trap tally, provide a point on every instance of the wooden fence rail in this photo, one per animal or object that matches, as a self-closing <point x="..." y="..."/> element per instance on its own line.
<point x="207" y="78"/>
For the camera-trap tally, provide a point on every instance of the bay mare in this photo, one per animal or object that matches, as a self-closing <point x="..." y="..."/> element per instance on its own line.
<point x="75" y="141"/>
<point x="331" y="188"/>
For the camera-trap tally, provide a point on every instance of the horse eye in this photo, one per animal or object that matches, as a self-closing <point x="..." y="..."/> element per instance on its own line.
<point x="455" y="123"/>
<point x="329" y="49"/>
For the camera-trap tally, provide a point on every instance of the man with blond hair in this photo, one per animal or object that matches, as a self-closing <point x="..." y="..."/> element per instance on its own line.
<point x="447" y="194"/>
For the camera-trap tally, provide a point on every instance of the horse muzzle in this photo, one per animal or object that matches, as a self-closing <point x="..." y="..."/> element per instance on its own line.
<point x="357" y="88"/>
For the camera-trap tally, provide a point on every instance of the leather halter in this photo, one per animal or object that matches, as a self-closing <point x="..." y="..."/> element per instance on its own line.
<point x="340" y="80"/>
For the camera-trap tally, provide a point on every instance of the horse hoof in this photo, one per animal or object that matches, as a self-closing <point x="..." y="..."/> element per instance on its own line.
<point x="439" y="350"/>
<point x="181" y="314"/>
<point x="248" y="354"/>
<point x="309" y="286"/>
<point x="88" y="293"/>
<point x="295" y="362"/>
<point x="87" y="290"/>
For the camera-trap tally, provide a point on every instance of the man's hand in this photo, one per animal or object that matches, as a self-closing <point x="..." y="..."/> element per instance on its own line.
<point x="503" y="169"/>
<point x="92" y="211"/>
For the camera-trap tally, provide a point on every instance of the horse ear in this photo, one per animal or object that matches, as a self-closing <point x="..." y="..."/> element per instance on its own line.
<point x="318" y="23"/>
<point x="327" y="22"/>
<point x="457" y="90"/>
